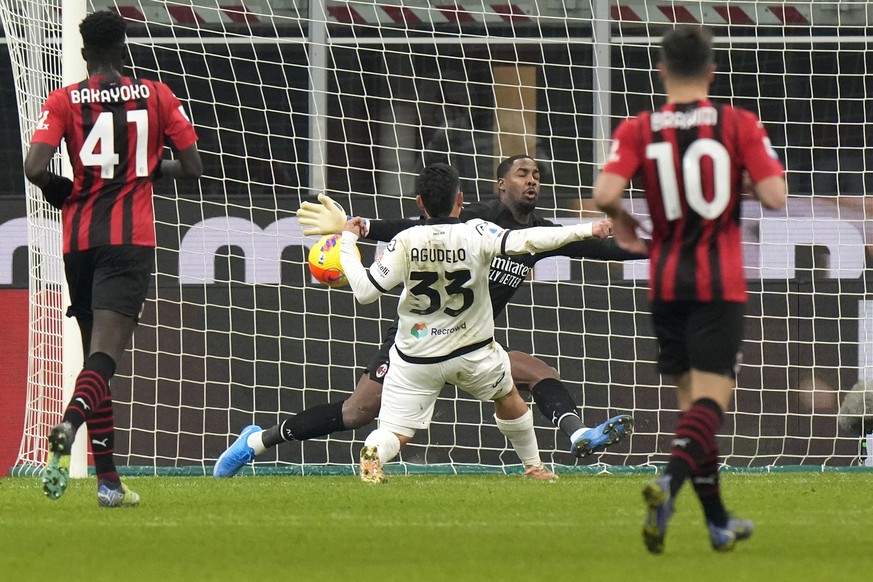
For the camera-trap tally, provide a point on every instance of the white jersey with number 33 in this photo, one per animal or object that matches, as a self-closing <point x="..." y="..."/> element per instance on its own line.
<point x="444" y="265"/>
<point x="445" y="308"/>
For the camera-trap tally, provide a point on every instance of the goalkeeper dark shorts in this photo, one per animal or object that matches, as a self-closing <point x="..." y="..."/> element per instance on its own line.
<point x="378" y="366"/>
<point x="699" y="336"/>
<point x="113" y="277"/>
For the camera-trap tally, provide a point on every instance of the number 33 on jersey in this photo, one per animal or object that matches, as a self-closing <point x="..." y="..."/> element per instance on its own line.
<point x="445" y="304"/>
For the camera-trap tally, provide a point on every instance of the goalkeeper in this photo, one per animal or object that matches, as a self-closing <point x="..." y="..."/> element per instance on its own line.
<point x="518" y="183"/>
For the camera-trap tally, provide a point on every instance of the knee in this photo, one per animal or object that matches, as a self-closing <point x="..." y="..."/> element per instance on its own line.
<point x="551" y="373"/>
<point x="528" y="370"/>
<point x="542" y="371"/>
<point x="358" y="416"/>
<point x="362" y="407"/>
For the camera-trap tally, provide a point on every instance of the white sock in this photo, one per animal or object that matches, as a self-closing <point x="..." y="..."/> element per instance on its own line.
<point x="386" y="442"/>
<point x="256" y="442"/>
<point x="520" y="432"/>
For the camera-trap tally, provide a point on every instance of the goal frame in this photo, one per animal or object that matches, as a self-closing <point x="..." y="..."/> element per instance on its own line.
<point x="322" y="37"/>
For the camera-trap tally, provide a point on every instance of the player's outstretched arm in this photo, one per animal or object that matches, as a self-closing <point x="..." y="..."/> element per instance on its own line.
<point x="385" y="230"/>
<point x="540" y="239"/>
<point x="601" y="228"/>
<point x="600" y="249"/>
<point x="385" y="273"/>
<point x="608" y="191"/>
<point x="363" y="289"/>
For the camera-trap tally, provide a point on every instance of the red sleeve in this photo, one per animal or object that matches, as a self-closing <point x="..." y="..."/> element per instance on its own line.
<point x="177" y="127"/>
<point x="624" y="154"/>
<point x="757" y="154"/>
<point x="52" y="123"/>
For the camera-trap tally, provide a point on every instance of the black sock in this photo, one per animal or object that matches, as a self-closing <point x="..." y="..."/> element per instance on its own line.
<point x="693" y="441"/>
<point x="706" y="486"/>
<point x="556" y="404"/>
<point x="101" y="434"/>
<point x="92" y="388"/>
<point x="570" y="423"/>
<point x="314" y="422"/>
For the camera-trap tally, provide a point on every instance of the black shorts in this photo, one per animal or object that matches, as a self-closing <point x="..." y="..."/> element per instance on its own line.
<point x="378" y="366"/>
<point x="113" y="277"/>
<point x="700" y="336"/>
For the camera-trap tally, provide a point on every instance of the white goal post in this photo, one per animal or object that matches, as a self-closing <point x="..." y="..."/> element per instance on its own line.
<point x="291" y="98"/>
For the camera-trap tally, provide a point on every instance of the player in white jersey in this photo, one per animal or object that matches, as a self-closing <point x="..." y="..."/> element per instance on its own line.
<point x="446" y="324"/>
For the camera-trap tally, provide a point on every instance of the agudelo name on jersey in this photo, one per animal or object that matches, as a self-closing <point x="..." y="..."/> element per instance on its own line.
<point x="431" y="255"/>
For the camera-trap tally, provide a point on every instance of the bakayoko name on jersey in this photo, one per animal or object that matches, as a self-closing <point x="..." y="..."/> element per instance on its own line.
<point x="110" y="95"/>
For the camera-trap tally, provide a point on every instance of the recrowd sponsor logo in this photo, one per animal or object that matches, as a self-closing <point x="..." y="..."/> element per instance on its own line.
<point x="420" y="330"/>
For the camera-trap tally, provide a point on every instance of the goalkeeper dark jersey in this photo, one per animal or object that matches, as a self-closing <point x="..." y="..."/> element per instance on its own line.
<point x="509" y="272"/>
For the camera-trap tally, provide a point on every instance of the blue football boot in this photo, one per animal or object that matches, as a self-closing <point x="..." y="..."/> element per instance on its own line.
<point x="601" y="436"/>
<point x="237" y="455"/>
<point x="723" y="539"/>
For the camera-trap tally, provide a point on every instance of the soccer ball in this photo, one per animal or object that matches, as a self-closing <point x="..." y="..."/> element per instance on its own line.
<point x="324" y="261"/>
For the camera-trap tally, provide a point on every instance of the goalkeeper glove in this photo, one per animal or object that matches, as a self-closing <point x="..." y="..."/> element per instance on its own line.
<point x="57" y="190"/>
<point x="328" y="217"/>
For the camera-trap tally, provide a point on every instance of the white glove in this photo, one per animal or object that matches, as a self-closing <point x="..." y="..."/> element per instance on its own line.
<point x="328" y="217"/>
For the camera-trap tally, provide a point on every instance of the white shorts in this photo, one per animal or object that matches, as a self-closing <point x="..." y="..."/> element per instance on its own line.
<point x="410" y="390"/>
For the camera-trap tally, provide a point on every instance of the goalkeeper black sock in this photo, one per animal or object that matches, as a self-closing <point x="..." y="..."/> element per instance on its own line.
<point x="556" y="404"/>
<point x="314" y="422"/>
<point x="693" y="440"/>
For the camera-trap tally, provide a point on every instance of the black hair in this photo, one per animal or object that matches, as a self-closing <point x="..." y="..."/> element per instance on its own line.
<point x="506" y="165"/>
<point x="103" y="29"/>
<point x="438" y="186"/>
<point x="686" y="51"/>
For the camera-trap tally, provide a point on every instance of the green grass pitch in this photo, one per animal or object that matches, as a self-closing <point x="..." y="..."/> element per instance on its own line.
<point x="810" y="526"/>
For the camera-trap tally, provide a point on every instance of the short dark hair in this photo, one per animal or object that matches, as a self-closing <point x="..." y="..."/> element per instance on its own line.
<point x="438" y="186"/>
<point x="103" y="29"/>
<point x="506" y="164"/>
<point x="686" y="51"/>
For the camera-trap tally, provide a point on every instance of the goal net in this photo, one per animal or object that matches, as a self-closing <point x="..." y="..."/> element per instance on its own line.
<point x="291" y="98"/>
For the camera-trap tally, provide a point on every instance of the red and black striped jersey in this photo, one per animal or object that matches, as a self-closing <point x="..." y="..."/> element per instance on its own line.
<point x="690" y="159"/>
<point x="115" y="130"/>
